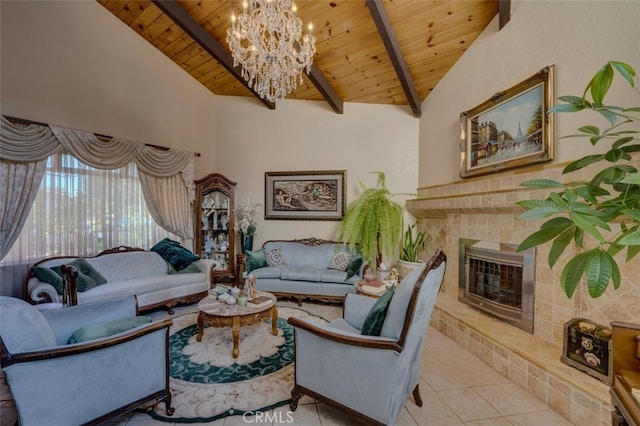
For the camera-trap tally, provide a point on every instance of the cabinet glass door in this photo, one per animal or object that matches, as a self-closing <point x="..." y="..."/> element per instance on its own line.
<point x="215" y="236"/>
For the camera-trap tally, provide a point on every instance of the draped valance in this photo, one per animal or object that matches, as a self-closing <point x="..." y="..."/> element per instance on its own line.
<point x="166" y="176"/>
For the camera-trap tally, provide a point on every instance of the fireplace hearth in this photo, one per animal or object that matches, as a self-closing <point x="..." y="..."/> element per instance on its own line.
<point x="496" y="279"/>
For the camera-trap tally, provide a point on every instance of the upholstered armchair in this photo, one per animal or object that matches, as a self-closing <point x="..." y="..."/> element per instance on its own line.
<point x="55" y="382"/>
<point x="369" y="376"/>
<point x="625" y="373"/>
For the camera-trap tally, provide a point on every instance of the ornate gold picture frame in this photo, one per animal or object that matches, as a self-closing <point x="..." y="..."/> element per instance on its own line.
<point x="511" y="129"/>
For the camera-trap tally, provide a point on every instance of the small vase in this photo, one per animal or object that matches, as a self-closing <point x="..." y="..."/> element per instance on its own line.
<point x="246" y="242"/>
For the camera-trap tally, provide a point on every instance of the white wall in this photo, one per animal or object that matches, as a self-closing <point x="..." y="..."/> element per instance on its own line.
<point x="577" y="36"/>
<point x="75" y="64"/>
<point x="303" y="135"/>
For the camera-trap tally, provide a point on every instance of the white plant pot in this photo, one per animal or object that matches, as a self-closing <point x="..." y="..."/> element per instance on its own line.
<point x="405" y="267"/>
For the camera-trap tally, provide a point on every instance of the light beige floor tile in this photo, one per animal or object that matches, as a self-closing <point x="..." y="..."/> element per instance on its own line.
<point x="330" y="416"/>
<point x="468" y="405"/>
<point x="306" y="415"/>
<point x="492" y="422"/>
<point x="546" y="418"/>
<point x="509" y="399"/>
<point x="405" y="418"/>
<point x="442" y="377"/>
<point x="434" y="411"/>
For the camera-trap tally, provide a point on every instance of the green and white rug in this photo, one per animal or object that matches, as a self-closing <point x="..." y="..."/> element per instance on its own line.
<point x="208" y="384"/>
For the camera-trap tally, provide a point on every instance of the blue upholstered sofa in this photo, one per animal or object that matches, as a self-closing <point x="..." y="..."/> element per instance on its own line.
<point x="129" y="272"/>
<point x="305" y="269"/>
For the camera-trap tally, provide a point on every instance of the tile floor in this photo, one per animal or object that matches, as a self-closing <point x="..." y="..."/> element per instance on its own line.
<point x="457" y="389"/>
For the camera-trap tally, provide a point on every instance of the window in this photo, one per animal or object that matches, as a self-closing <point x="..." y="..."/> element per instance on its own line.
<point x="81" y="210"/>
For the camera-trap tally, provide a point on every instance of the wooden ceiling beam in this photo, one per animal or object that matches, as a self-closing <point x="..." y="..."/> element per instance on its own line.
<point x="504" y="10"/>
<point x="174" y="11"/>
<point x="387" y="34"/>
<point x="326" y="90"/>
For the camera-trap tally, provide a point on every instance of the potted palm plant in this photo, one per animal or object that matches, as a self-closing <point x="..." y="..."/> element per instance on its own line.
<point x="410" y="251"/>
<point x="373" y="222"/>
<point x="606" y="207"/>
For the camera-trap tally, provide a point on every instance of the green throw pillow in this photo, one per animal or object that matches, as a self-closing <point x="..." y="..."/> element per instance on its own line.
<point x="88" y="277"/>
<point x="191" y="269"/>
<point x="375" y="319"/>
<point x="172" y="252"/>
<point x="86" y="268"/>
<point x="354" y="265"/>
<point x="47" y="275"/>
<point x="105" y="329"/>
<point x="255" y="259"/>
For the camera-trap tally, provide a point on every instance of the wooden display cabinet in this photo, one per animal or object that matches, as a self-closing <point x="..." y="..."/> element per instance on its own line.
<point x="214" y="234"/>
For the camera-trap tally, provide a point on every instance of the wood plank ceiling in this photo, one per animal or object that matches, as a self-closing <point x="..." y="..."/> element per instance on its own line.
<point x="367" y="51"/>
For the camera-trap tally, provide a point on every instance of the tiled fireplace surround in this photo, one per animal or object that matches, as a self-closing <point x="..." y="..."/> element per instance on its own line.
<point x="484" y="208"/>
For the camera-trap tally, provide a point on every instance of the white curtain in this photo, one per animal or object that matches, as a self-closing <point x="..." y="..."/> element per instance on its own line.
<point x="167" y="183"/>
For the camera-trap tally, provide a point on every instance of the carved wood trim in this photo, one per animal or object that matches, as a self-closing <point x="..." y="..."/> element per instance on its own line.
<point x="341" y="338"/>
<point x="433" y="263"/>
<point x="121" y="249"/>
<point x="64" y="351"/>
<point x="350" y="411"/>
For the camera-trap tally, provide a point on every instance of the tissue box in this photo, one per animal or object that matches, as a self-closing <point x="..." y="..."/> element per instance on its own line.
<point x="586" y="347"/>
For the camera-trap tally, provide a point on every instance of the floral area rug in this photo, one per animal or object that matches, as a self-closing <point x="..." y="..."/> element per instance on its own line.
<point x="208" y="384"/>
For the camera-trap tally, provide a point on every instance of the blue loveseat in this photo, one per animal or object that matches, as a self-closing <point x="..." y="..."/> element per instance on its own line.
<point x="309" y="268"/>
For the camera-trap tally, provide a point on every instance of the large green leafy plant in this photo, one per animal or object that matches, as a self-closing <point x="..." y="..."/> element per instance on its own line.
<point x="611" y="196"/>
<point x="373" y="222"/>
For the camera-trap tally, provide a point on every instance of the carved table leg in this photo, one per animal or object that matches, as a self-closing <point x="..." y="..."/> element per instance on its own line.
<point x="274" y="321"/>
<point x="200" y="327"/>
<point x="236" y="336"/>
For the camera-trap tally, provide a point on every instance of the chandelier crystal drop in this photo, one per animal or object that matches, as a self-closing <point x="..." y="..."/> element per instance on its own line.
<point x="266" y="40"/>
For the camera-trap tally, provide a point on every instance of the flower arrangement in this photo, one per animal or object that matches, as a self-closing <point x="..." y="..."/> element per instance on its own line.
<point x="247" y="224"/>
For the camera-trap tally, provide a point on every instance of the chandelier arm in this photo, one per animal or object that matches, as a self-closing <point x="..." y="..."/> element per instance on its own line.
<point x="180" y="17"/>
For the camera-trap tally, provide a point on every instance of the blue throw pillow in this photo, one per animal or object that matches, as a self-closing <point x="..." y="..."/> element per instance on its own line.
<point x="172" y="252"/>
<point x="88" y="277"/>
<point x="375" y="319"/>
<point x="255" y="259"/>
<point x="105" y="329"/>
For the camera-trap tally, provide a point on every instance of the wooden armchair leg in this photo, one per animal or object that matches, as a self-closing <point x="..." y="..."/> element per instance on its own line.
<point x="295" y="396"/>
<point x="416" y="396"/>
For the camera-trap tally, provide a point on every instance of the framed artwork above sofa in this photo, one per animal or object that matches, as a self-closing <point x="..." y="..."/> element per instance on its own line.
<point x="305" y="195"/>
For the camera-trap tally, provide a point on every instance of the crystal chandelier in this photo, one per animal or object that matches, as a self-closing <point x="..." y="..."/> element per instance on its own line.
<point x="265" y="40"/>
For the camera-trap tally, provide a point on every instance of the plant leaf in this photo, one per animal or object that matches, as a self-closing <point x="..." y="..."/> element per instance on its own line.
<point x="608" y="115"/>
<point x="630" y="239"/>
<point x="633" y="179"/>
<point x="549" y="230"/>
<point x="590" y="130"/>
<point x="614" y="155"/>
<point x="625" y="71"/>
<point x="559" y="245"/>
<point x="599" y="272"/>
<point x="566" y="108"/>
<point x="600" y="83"/>
<point x="531" y="204"/>
<point x="540" y="212"/>
<point x="573" y="271"/>
<point x="583" y="162"/>
<point x="587" y="224"/>
<point x="632" y="251"/>
<point x="541" y="184"/>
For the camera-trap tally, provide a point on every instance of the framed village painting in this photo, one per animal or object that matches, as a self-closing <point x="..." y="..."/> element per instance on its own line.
<point x="307" y="195"/>
<point x="511" y="129"/>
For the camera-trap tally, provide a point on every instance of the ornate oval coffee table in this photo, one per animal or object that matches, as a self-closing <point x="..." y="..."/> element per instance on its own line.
<point x="218" y="314"/>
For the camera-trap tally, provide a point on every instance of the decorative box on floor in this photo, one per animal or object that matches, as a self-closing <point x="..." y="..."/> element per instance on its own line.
<point x="586" y="347"/>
